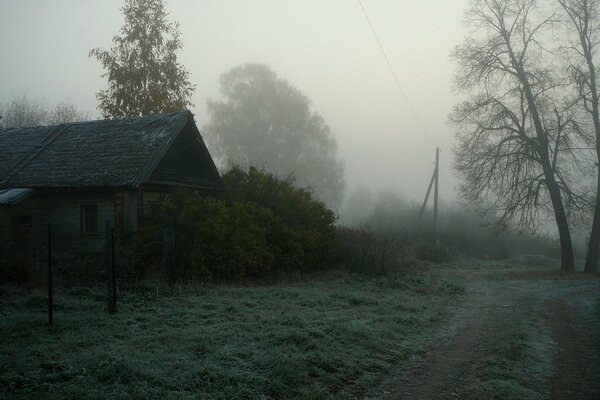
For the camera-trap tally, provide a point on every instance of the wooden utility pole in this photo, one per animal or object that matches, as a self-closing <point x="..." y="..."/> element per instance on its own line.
<point x="435" y="184"/>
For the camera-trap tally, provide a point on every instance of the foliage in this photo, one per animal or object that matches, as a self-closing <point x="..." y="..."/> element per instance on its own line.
<point x="303" y="232"/>
<point x="324" y="339"/>
<point x="266" y="122"/>
<point x="24" y="111"/>
<point x="361" y="251"/>
<point x="357" y="206"/>
<point x="262" y="226"/>
<point x="461" y="233"/>
<point x="144" y="75"/>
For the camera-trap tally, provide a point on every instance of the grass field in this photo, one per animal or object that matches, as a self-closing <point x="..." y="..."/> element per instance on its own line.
<point x="329" y="339"/>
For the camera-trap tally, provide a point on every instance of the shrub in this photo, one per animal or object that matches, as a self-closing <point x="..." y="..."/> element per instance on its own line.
<point x="361" y="251"/>
<point x="428" y="251"/>
<point x="303" y="233"/>
<point x="460" y="232"/>
<point x="261" y="225"/>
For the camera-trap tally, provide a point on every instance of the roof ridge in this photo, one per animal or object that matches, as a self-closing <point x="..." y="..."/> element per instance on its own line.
<point x="36" y="151"/>
<point x="99" y="120"/>
<point x="166" y="146"/>
<point x="101" y="154"/>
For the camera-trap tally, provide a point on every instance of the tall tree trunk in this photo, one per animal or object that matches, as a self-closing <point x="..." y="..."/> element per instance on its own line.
<point x="567" y="258"/>
<point x="582" y="16"/>
<point x="593" y="248"/>
<point x="562" y="222"/>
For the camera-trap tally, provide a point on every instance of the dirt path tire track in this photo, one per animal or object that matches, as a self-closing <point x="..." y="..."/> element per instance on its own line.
<point x="576" y="373"/>
<point x="451" y="361"/>
<point x="453" y="356"/>
<point x="448" y="369"/>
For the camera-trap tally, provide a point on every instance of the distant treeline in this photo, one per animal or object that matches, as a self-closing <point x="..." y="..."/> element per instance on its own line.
<point x="460" y="232"/>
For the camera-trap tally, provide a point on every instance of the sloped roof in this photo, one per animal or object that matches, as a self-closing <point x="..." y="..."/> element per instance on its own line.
<point x="9" y="197"/>
<point x="103" y="153"/>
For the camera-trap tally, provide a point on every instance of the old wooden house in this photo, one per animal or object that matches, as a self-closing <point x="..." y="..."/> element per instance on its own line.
<point x="83" y="177"/>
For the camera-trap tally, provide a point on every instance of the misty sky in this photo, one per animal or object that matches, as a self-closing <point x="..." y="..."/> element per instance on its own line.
<point x="325" y="48"/>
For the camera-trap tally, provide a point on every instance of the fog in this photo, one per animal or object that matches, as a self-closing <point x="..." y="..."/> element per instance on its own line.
<point x="326" y="49"/>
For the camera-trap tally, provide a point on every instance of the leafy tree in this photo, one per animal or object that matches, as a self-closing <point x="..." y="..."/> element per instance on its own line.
<point x="144" y="76"/>
<point x="266" y="122"/>
<point x="357" y="206"/>
<point x="515" y="136"/>
<point x="24" y="111"/>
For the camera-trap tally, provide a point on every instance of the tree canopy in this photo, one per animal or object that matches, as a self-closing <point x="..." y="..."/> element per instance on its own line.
<point x="142" y="69"/>
<point x="266" y="122"/>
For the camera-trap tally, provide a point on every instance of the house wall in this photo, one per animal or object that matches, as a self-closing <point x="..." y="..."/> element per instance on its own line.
<point x="63" y="212"/>
<point x="134" y="207"/>
<point x="150" y="201"/>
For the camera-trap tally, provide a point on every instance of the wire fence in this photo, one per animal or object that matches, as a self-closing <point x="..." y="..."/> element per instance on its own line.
<point x="43" y="257"/>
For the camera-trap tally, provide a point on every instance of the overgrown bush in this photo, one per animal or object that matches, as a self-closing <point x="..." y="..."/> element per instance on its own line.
<point x="460" y="233"/>
<point x="359" y="250"/>
<point x="303" y="233"/>
<point x="261" y="225"/>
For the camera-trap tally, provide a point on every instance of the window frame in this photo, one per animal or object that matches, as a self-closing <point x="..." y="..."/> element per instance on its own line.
<point x="82" y="219"/>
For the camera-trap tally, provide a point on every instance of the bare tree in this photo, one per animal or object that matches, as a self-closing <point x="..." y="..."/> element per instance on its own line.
<point x="583" y="17"/>
<point x="514" y="146"/>
<point x="64" y="113"/>
<point x="23" y="111"/>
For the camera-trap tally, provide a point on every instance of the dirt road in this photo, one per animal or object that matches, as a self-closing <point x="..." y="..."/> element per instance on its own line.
<point x="520" y="334"/>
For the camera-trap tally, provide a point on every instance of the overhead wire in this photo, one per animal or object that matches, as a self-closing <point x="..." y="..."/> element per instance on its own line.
<point x="395" y="76"/>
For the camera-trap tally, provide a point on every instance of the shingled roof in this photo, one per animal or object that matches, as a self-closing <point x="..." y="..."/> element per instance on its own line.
<point x="106" y="153"/>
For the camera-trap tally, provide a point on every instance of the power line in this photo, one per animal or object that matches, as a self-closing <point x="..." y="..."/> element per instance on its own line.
<point x="412" y="110"/>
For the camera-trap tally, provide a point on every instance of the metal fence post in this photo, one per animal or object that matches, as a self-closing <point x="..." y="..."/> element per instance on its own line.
<point x="110" y="269"/>
<point x="113" y="275"/>
<point x="50" y="299"/>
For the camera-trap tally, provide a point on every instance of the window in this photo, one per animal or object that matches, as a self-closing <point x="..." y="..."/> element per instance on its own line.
<point x="22" y="220"/>
<point x="155" y="209"/>
<point x="89" y="219"/>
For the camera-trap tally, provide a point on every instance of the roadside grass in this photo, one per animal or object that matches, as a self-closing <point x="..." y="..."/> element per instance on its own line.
<point x="588" y="311"/>
<point x="315" y="340"/>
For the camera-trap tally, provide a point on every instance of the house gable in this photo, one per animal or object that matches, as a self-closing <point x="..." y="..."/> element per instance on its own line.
<point x="186" y="163"/>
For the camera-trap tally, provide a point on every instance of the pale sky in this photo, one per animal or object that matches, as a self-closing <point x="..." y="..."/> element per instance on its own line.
<point x="323" y="47"/>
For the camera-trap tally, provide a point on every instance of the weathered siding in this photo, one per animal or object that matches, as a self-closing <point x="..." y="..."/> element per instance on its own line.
<point x="63" y="212"/>
<point x="150" y="201"/>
